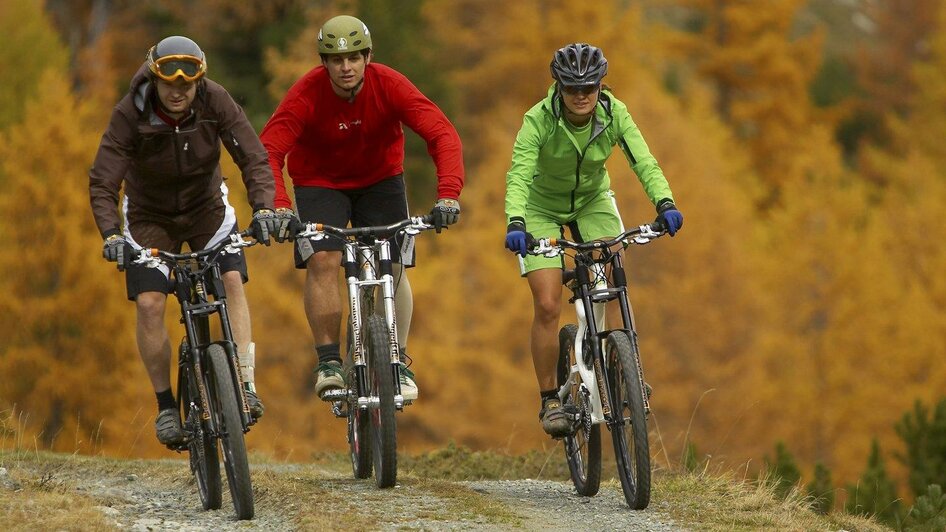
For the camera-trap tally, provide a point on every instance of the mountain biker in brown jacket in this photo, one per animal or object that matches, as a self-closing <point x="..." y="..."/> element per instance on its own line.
<point x="163" y="143"/>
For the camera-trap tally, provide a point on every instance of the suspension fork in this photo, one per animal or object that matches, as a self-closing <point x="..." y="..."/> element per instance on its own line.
<point x="390" y="317"/>
<point x="229" y="346"/>
<point x="353" y="262"/>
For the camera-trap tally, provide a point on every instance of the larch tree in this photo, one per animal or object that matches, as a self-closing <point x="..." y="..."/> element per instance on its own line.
<point x="69" y="359"/>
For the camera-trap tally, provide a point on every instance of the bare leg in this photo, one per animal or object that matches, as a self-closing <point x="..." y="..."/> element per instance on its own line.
<point x="239" y="312"/>
<point x="403" y="304"/>
<point x="546" y="286"/>
<point x="323" y="306"/>
<point x="154" y="345"/>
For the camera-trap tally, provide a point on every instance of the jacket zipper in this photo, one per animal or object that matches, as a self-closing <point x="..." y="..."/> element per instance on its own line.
<point x="581" y="157"/>
<point x="177" y="160"/>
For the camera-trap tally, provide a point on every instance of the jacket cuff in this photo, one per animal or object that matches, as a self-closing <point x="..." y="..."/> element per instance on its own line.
<point x="665" y="205"/>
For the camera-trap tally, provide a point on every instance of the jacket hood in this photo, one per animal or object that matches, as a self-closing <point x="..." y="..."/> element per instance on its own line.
<point x="140" y="85"/>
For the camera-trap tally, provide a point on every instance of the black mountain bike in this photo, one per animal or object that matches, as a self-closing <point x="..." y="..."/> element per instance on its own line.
<point x="372" y="373"/>
<point x="600" y="377"/>
<point x="209" y="385"/>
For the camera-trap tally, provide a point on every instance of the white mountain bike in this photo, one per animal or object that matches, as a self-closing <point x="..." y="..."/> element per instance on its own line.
<point x="599" y="374"/>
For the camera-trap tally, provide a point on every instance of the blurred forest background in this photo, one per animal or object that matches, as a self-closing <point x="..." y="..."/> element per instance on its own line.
<point x="803" y="302"/>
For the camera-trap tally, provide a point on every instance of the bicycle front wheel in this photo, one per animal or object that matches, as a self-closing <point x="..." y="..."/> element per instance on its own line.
<point x="383" y="423"/>
<point x="201" y="445"/>
<point x="629" y="427"/>
<point x="230" y="428"/>
<point x="359" y="422"/>
<point x="583" y="447"/>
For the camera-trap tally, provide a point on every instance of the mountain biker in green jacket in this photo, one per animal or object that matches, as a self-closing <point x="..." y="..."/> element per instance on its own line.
<point x="558" y="179"/>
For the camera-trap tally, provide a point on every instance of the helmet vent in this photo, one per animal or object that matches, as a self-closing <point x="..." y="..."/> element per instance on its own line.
<point x="330" y="35"/>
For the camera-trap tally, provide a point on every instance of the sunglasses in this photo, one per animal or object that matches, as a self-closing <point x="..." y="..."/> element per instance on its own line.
<point x="171" y="67"/>
<point x="574" y="90"/>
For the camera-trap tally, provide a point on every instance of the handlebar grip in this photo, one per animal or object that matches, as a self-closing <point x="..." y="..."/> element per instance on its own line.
<point x="659" y="226"/>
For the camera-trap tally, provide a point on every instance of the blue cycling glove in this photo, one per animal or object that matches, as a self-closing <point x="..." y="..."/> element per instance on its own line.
<point x="668" y="214"/>
<point x="518" y="239"/>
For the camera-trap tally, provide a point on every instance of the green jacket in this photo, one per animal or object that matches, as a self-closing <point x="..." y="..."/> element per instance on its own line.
<point x="551" y="172"/>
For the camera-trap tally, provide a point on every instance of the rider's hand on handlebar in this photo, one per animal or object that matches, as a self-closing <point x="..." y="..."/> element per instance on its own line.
<point x="518" y="240"/>
<point x="265" y="224"/>
<point x="116" y="249"/>
<point x="445" y="212"/>
<point x="287" y="225"/>
<point x="668" y="214"/>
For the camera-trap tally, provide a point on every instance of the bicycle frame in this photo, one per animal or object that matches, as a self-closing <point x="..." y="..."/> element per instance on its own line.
<point x="590" y="295"/>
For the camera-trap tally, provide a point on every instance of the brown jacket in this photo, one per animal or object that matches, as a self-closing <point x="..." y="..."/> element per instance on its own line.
<point x="170" y="171"/>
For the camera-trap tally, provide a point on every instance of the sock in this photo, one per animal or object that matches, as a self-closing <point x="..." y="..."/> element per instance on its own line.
<point x="328" y="353"/>
<point x="548" y="394"/>
<point x="248" y="365"/>
<point x="165" y="400"/>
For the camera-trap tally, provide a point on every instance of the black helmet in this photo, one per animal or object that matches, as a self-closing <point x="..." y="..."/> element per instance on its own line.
<point x="177" y="57"/>
<point x="579" y="64"/>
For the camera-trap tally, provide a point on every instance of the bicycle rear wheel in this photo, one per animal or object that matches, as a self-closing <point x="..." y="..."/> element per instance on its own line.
<point x="383" y="423"/>
<point x="230" y="427"/>
<point x="631" y="447"/>
<point x="201" y="445"/>
<point x="583" y="447"/>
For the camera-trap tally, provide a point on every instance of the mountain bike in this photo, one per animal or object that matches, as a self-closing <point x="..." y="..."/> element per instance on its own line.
<point x="372" y="369"/>
<point x="599" y="371"/>
<point x="209" y="385"/>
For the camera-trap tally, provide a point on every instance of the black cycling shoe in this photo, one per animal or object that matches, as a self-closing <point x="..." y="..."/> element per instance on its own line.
<point x="254" y="404"/>
<point x="555" y="421"/>
<point x="168" y="427"/>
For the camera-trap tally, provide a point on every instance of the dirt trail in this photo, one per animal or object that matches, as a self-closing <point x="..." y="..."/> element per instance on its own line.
<point x="162" y="496"/>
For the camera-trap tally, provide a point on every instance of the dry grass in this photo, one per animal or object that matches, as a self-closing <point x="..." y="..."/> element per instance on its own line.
<point x="722" y="502"/>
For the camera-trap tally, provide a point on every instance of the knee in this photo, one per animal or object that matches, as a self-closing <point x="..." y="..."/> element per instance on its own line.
<point x="322" y="265"/>
<point x="547" y="309"/>
<point x="151" y="306"/>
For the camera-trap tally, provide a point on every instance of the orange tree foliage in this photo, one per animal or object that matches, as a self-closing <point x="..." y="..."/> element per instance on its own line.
<point x="68" y="357"/>
<point x="761" y="73"/>
<point x="29" y="48"/>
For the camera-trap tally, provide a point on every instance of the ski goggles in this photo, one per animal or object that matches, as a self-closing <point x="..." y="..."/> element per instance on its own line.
<point x="172" y="67"/>
<point x="587" y="90"/>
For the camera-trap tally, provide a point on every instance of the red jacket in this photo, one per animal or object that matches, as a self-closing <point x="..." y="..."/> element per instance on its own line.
<point x="338" y="144"/>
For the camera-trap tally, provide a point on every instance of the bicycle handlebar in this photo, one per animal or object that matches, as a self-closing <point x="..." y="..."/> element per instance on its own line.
<point x="642" y="234"/>
<point x="412" y="225"/>
<point x="152" y="257"/>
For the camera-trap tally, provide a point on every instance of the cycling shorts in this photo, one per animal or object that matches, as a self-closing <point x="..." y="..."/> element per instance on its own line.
<point x="199" y="228"/>
<point x="382" y="203"/>
<point x="598" y="219"/>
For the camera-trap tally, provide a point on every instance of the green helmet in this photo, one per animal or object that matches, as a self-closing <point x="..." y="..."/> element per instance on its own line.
<point x="344" y="34"/>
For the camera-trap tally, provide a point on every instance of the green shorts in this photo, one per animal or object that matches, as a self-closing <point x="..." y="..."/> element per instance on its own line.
<point x="597" y="219"/>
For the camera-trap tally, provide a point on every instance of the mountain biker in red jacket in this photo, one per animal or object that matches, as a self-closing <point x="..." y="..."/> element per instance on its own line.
<point x="340" y="126"/>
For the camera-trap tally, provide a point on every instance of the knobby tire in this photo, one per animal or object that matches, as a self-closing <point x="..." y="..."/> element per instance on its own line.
<point x="383" y="423"/>
<point x="631" y="447"/>
<point x="583" y="448"/>
<point x="230" y="425"/>
<point x="359" y="426"/>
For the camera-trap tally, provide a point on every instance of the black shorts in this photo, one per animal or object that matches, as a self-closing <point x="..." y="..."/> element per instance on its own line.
<point x="382" y="203"/>
<point x="206" y="227"/>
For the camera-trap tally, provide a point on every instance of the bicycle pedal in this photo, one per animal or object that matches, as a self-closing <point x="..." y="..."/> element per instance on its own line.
<point x="334" y="395"/>
<point x="340" y="409"/>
